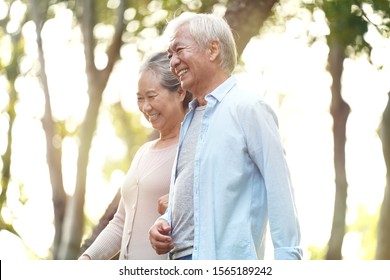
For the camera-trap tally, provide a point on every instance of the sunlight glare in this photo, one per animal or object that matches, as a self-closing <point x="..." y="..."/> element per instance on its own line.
<point x="37" y="233"/>
<point x="101" y="59"/>
<point x="16" y="14"/>
<point x="4" y="98"/>
<point x="31" y="97"/>
<point x="5" y="46"/>
<point x="123" y="83"/>
<point x="351" y="246"/>
<point x="3" y="10"/>
<point x="69" y="168"/>
<point x="11" y="247"/>
<point x="113" y="4"/>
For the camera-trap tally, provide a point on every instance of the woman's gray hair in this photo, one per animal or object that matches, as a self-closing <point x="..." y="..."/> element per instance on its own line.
<point x="205" y="28"/>
<point x="158" y="63"/>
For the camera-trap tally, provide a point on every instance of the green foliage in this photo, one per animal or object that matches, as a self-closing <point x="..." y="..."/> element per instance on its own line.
<point x="348" y="20"/>
<point x="317" y="253"/>
<point x="9" y="65"/>
<point x="381" y="8"/>
<point x="345" y="21"/>
<point x="366" y="226"/>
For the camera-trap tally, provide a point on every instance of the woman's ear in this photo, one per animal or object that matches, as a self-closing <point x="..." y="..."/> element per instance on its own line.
<point x="214" y="50"/>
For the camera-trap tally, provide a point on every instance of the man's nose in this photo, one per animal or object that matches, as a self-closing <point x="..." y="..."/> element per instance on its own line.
<point x="174" y="61"/>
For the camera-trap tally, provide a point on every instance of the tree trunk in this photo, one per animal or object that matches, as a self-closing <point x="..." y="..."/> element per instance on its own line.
<point x="53" y="150"/>
<point x="383" y="242"/>
<point x="339" y="111"/>
<point x="74" y="222"/>
<point x="246" y="17"/>
<point x="97" y="81"/>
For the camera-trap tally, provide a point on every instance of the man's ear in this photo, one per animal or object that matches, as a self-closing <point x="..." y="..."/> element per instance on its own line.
<point x="181" y="93"/>
<point x="214" y="50"/>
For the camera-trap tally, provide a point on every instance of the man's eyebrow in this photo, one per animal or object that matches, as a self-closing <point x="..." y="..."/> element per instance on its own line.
<point x="172" y="46"/>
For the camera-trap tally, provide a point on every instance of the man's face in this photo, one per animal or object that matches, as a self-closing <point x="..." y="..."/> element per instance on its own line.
<point x="188" y="61"/>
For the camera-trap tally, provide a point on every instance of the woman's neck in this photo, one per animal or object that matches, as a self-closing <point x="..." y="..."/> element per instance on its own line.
<point x="167" y="140"/>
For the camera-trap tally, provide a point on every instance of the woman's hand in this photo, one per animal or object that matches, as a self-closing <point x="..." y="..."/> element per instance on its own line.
<point x="162" y="204"/>
<point x="85" y="257"/>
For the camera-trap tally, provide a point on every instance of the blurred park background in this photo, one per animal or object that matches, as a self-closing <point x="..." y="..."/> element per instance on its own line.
<point x="69" y="125"/>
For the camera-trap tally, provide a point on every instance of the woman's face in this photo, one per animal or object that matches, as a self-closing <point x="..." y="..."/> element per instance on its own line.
<point x="162" y="108"/>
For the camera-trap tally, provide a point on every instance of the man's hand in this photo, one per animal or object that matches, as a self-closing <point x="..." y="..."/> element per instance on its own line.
<point x="162" y="203"/>
<point x="159" y="237"/>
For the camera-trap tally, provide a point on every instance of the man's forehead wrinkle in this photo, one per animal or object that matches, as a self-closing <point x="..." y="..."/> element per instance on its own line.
<point x="173" y="45"/>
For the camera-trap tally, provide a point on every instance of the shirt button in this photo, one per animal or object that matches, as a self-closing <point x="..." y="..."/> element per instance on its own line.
<point x="129" y="231"/>
<point x="133" y="206"/>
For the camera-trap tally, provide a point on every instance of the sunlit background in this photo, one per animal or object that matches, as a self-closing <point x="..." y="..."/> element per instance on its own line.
<point x="280" y="65"/>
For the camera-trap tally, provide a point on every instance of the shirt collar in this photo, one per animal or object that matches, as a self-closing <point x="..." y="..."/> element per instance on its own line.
<point x="217" y="94"/>
<point x="220" y="92"/>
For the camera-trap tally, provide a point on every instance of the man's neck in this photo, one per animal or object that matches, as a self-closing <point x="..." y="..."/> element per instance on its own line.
<point x="216" y="81"/>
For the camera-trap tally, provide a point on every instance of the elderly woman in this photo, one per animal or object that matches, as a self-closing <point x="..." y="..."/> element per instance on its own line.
<point x="164" y="104"/>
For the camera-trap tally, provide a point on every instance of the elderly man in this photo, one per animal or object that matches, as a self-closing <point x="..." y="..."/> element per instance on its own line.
<point x="230" y="177"/>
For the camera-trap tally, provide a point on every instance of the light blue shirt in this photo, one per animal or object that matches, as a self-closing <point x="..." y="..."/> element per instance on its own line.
<point x="241" y="180"/>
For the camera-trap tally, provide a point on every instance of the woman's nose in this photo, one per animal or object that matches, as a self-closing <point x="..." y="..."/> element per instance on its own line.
<point x="146" y="107"/>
